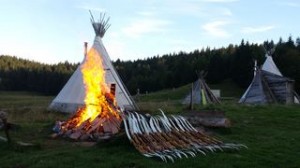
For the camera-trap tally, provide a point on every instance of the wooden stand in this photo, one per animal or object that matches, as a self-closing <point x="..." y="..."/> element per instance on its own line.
<point x="3" y="118"/>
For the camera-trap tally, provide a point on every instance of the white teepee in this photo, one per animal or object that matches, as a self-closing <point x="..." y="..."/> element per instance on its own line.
<point x="72" y="95"/>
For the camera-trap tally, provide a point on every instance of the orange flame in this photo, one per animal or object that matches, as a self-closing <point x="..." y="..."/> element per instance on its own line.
<point x="95" y="86"/>
<point x="98" y="100"/>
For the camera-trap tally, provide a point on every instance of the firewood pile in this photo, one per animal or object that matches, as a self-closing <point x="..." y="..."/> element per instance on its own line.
<point x="170" y="137"/>
<point x="105" y="125"/>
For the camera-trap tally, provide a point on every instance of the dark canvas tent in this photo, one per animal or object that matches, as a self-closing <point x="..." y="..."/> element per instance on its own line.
<point x="200" y="94"/>
<point x="269" y="86"/>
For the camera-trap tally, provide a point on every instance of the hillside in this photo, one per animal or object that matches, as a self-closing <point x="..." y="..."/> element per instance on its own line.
<point x="233" y="63"/>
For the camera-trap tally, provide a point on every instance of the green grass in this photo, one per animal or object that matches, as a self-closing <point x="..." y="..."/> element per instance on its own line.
<point x="272" y="134"/>
<point x="165" y="95"/>
<point x="228" y="89"/>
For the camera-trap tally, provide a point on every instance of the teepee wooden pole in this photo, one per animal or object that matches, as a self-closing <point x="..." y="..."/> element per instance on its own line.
<point x="85" y="48"/>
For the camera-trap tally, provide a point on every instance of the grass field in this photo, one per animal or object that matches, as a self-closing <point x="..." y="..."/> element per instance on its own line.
<point x="272" y="134"/>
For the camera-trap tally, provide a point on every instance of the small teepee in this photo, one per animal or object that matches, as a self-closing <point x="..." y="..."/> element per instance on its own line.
<point x="270" y="66"/>
<point x="71" y="97"/>
<point x="269" y="86"/>
<point x="200" y="93"/>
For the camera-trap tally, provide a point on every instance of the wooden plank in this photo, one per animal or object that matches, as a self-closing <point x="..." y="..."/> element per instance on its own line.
<point x="114" y="128"/>
<point x="84" y="137"/>
<point x="96" y="124"/>
<point x="115" y="122"/>
<point x="83" y="125"/>
<point x="106" y="127"/>
<point x="75" y="135"/>
<point x="208" y="118"/>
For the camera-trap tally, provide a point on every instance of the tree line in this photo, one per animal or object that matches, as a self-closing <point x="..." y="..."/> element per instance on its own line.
<point x="172" y="70"/>
<point x="23" y="75"/>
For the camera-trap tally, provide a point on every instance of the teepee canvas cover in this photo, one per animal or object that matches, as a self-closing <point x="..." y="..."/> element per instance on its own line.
<point x="269" y="86"/>
<point x="200" y="94"/>
<point x="71" y="97"/>
<point x="270" y="66"/>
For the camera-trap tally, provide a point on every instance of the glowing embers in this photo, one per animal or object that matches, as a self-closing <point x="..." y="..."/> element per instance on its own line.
<point x="99" y="118"/>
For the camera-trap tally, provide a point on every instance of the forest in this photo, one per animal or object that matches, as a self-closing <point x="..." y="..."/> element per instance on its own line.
<point x="234" y="62"/>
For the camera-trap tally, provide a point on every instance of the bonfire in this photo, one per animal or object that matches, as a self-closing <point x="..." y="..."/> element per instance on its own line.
<point x="99" y="118"/>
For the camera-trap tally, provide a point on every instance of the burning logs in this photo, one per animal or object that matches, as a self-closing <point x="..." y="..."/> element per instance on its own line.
<point x="102" y="127"/>
<point x="169" y="137"/>
<point x="100" y="117"/>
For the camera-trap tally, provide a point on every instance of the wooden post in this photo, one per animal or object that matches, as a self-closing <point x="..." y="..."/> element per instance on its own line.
<point x="113" y="93"/>
<point x="289" y="92"/>
<point x="137" y="94"/>
<point x="85" y="48"/>
<point x="113" y="89"/>
<point x="5" y="125"/>
<point x="192" y="102"/>
<point x="6" y="128"/>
